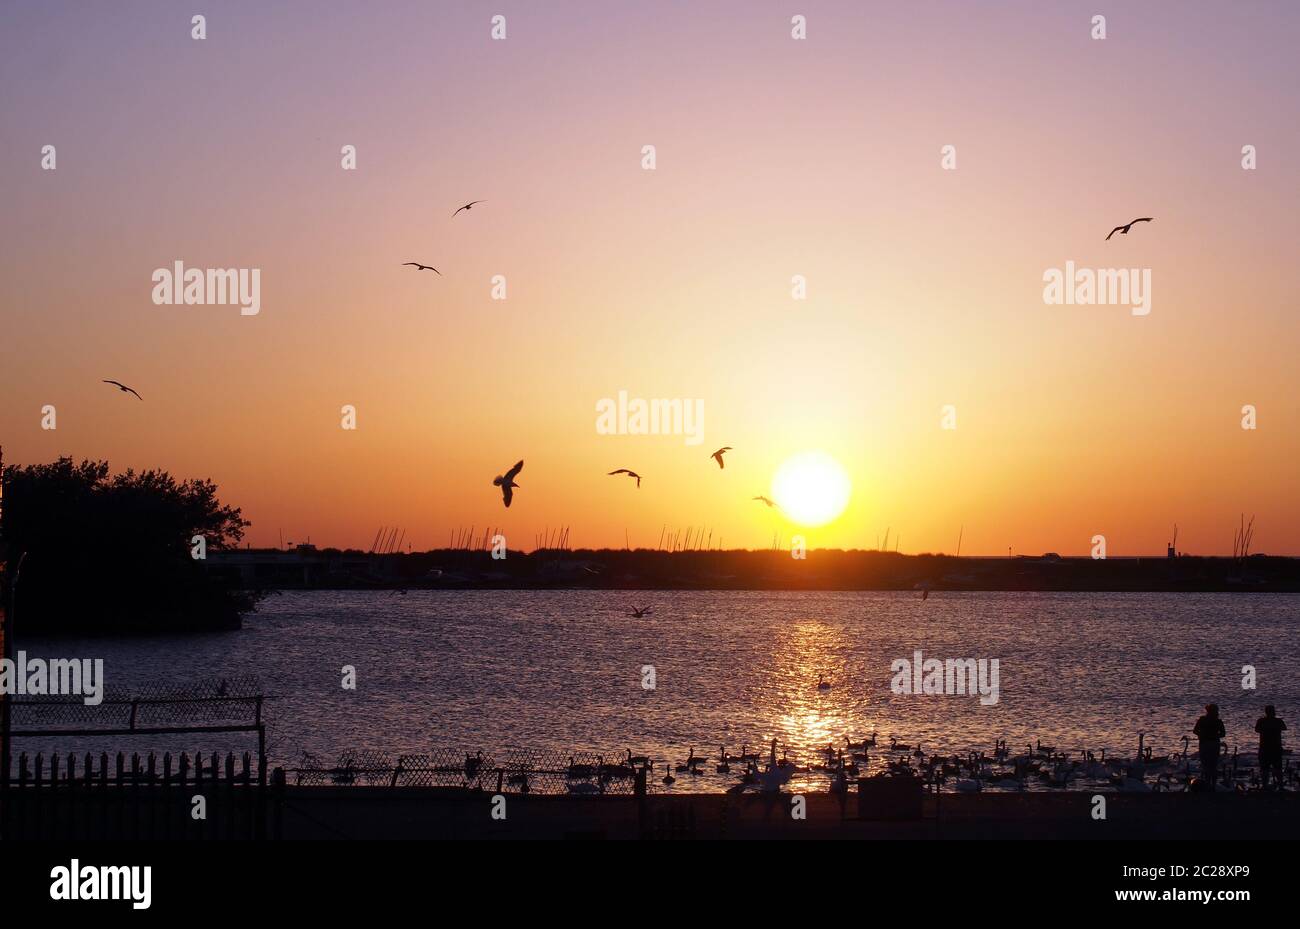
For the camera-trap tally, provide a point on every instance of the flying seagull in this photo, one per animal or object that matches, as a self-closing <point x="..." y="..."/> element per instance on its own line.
<point x="469" y="205"/>
<point x="420" y="267"/>
<point x="1123" y="230"/>
<point x="629" y="474"/>
<point x="641" y="612"/>
<point x="717" y="456"/>
<point x="122" y="387"/>
<point x="507" y="483"/>
<point x="765" y="500"/>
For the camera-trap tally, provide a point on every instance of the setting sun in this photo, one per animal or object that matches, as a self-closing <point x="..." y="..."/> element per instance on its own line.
<point x="811" y="488"/>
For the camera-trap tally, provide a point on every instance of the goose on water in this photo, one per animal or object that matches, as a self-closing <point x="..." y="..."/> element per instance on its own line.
<point x="723" y="766"/>
<point x="579" y="770"/>
<point x="691" y="761"/>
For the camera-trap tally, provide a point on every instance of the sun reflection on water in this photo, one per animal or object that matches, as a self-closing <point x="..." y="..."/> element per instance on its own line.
<point x="805" y="652"/>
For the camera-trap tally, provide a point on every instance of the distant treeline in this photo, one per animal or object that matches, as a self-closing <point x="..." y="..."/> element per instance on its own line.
<point x="100" y="553"/>
<point x="832" y="569"/>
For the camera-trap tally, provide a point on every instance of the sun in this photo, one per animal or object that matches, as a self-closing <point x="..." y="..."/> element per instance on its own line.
<point x="811" y="488"/>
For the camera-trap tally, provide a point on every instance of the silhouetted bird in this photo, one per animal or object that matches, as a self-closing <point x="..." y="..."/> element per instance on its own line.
<point x="468" y="205"/>
<point x="629" y="474"/>
<point x="1123" y="230"/>
<point x="765" y="500"/>
<point x="717" y="456"/>
<point x="420" y="267"/>
<point x="507" y="482"/>
<point x="639" y="612"/>
<point x="122" y="387"/>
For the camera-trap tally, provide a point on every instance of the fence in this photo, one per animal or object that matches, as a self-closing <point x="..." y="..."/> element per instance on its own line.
<point x="523" y="772"/>
<point x="91" y="797"/>
<point x="214" y="707"/>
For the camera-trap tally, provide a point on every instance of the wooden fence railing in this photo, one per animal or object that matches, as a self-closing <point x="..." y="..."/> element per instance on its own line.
<point x="101" y="796"/>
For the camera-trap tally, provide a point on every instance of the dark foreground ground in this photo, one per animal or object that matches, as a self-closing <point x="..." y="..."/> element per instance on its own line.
<point x="387" y="813"/>
<point x="361" y="813"/>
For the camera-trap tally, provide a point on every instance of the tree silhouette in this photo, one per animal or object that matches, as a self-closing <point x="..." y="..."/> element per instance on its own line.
<point x="104" y="553"/>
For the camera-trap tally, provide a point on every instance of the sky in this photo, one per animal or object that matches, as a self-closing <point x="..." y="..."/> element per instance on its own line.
<point x="774" y="157"/>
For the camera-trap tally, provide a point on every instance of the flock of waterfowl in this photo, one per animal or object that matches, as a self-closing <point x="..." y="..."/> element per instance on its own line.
<point x="1037" y="767"/>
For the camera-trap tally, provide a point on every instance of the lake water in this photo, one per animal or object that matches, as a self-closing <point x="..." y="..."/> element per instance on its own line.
<point x="561" y="671"/>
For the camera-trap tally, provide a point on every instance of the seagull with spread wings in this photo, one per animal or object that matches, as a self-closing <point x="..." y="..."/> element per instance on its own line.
<point x="629" y="474"/>
<point x="1123" y="230"/>
<point x="469" y="205"/>
<point x="507" y="481"/>
<point x="122" y="387"/>
<point x="765" y="500"/>
<point x="717" y="456"/>
<point x="420" y="267"/>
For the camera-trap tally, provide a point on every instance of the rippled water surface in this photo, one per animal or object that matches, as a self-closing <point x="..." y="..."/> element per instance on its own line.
<point x="561" y="671"/>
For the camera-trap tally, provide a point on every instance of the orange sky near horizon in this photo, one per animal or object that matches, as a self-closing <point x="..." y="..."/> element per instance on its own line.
<point x="775" y="158"/>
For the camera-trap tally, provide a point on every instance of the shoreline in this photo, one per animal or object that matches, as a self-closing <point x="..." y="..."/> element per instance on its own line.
<point x="387" y="813"/>
<point x="421" y="814"/>
<point x="375" y="813"/>
<point x="307" y="568"/>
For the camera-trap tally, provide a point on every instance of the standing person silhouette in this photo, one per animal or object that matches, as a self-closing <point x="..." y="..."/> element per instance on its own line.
<point x="1209" y="730"/>
<point x="1270" y="729"/>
